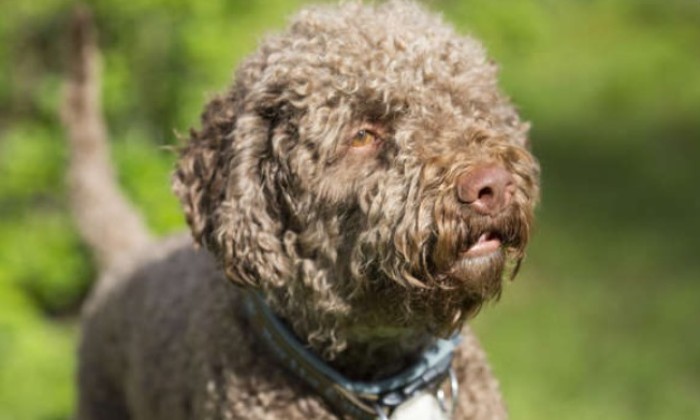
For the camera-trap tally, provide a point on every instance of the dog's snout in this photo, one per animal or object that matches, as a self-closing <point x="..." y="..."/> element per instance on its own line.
<point x="487" y="189"/>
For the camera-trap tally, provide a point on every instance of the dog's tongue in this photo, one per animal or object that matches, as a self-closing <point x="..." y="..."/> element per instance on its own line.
<point x="486" y="244"/>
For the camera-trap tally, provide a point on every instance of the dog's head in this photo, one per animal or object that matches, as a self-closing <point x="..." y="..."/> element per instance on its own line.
<point x="364" y="169"/>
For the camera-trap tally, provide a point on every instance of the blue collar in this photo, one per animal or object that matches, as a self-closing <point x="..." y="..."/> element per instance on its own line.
<point x="354" y="399"/>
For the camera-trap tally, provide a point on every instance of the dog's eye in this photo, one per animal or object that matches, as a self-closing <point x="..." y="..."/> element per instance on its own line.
<point x="363" y="138"/>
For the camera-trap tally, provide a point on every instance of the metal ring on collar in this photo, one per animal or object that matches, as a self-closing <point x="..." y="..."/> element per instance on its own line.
<point x="454" y="390"/>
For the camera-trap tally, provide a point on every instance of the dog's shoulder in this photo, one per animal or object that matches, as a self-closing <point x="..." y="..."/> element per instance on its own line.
<point x="172" y="316"/>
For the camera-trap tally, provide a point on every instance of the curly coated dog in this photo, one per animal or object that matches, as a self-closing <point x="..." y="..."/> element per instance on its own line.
<point x="360" y="192"/>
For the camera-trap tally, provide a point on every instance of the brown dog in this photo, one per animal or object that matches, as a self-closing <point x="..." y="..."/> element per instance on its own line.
<point x="364" y="185"/>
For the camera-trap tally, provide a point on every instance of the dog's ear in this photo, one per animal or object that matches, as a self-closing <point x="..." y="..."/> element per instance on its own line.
<point x="227" y="183"/>
<point x="198" y="180"/>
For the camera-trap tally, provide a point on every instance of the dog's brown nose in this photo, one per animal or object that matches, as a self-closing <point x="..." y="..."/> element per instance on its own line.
<point x="487" y="189"/>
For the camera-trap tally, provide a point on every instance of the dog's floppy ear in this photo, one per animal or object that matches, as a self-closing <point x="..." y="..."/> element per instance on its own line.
<point x="227" y="183"/>
<point x="198" y="180"/>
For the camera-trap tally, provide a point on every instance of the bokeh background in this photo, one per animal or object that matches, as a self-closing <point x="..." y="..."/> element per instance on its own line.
<point x="602" y="323"/>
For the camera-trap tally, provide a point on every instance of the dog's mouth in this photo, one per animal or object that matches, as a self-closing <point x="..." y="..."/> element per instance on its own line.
<point x="480" y="258"/>
<point x="485" y="244"/>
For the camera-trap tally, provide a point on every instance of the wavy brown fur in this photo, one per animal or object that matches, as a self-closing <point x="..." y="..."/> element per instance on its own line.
<point x="356" y="248"/>
<point x="272" y="187"/>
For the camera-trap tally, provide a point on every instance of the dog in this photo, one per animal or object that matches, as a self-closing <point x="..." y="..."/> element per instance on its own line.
<point x="360" y="191"/>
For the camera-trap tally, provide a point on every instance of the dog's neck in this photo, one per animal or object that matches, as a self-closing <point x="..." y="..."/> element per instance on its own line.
<point x="372" y="356"/>
<point x="380" y="391"/>
<point x="370" y="349"/>
<point x="368" y="354"/>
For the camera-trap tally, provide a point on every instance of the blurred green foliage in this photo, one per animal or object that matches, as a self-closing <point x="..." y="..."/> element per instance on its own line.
<point x="602" y="322"/>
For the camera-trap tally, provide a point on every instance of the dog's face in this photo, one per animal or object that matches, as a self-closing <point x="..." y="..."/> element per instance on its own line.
<point x="366" y="172"/>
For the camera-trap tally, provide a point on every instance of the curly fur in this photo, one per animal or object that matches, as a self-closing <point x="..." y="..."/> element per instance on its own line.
<point x="356" y="248"/>
<point x="271" y="185"/>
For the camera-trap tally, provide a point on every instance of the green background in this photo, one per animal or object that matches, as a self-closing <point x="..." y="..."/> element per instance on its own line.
<point x="602" y="323"/>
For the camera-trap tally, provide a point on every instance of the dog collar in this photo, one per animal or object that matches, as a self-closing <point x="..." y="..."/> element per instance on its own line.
<point x="355" y="399"/>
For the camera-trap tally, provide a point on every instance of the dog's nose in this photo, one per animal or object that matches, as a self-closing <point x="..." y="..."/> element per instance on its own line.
<point x="487" y="189"/>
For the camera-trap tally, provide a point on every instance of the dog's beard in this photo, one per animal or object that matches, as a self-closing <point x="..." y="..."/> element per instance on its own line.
<point x="459" y="293"/>
<point x="420" y="276"/>
<point x="440" y="305"/>
<point x="452" y="283"/>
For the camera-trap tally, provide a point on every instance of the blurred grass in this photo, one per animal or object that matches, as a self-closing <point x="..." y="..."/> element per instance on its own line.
<point x="602" y="322"/>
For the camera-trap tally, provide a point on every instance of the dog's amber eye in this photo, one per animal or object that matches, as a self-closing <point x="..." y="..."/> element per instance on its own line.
<point x="363" y="138"/>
